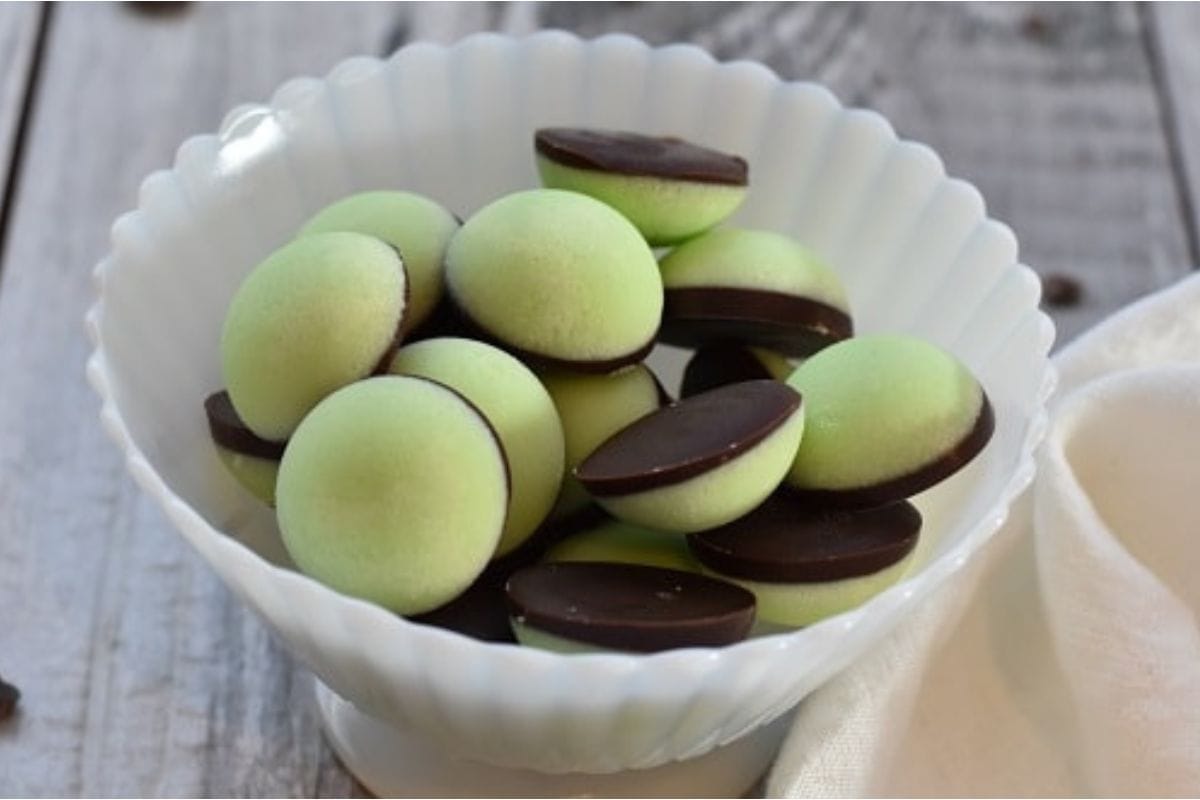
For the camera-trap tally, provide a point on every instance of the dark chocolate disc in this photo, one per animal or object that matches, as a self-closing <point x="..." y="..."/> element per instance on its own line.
<point x="911" y="483"/>
<point x="788" y="540"/>
<point x="630" y="606"/>
<point x="637" y="154"/>
<point x="230" y="432"/>
<point x="720" y="365"/>
<point x="786" y="323"/>
<point x="687" y="438"/>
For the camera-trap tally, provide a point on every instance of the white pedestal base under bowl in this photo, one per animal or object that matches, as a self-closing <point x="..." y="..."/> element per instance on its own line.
<point x="397" y="763"/>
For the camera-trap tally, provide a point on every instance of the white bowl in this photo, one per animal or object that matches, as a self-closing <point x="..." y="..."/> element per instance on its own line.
<point x="915" y="248"/>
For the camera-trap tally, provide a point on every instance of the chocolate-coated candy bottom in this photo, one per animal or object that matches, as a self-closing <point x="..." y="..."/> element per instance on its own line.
<point x="629" y="607"/>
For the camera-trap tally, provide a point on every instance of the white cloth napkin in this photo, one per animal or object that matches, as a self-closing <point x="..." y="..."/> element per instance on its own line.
<point x="1065" y="660"/>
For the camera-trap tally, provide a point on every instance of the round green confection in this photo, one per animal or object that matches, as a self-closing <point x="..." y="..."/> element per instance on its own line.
<point x="804" y="563"/>
<point x="591" y="409"/>
<point x="415" y="225"/>
<point x="784" y="606"/>
<point x="717" y="496"/>
<point x="665" y="210"/>
<point x="699" y="463"/>
<point x="558" y="277"/>
<point x="619" y="542"/>
<point x="741" y="258"/>
<point x="252" y="461"/>
<point x="519" y="409"/>
<point x="395" y="490"/>
<point x="888" y="415"/>
<point x="317" y="314"/>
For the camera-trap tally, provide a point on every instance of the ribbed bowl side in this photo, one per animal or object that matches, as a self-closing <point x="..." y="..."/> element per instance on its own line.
<point x="916" y="249"/>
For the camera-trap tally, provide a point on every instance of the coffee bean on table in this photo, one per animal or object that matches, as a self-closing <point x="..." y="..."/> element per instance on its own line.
<point x="1061" y="291"/>
<point x="9" y="697"/>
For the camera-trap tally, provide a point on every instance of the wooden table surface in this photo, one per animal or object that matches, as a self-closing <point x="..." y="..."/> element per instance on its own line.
<point x="141" y="674"/>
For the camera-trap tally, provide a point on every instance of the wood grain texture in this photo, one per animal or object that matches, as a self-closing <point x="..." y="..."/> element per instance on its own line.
<point x="141" y="674"/>
<point x="1174" y="39"/>
<point x="1050" y="110"/>
<point x="18" y="35"/>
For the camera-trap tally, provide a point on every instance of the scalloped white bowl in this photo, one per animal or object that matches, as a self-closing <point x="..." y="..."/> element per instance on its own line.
<point x="915" y="248"/>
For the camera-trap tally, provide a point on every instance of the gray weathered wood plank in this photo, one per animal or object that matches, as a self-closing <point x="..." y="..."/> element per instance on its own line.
<point x="1175" y="43"/>
<point x="1049" y="109"/>
<point x="141" y="674"/>
<point x="18" y="35"/>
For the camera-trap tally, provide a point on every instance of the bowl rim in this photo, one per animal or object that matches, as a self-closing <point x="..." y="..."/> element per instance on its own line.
<point x="883" y="609"/>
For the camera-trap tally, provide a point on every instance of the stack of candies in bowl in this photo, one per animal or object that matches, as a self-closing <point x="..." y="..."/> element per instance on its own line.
<point x="453" y="420"/>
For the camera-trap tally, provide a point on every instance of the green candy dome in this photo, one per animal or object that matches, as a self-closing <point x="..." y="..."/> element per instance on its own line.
<point x="888" y="416"/>
<point x="557" y="277"/>
<point x="699" y="463"/>
<point x="752" y="287"/>
<point x="669" y="188"/>
<point x="317" y="314"/>
<point x="665" y="211"/>
<point x="593" y="408"/>
<point x="416" y="226"/>
<point x="394" y="490"/>
<point x="742" y="258"/>
<point x="519" y="409"/>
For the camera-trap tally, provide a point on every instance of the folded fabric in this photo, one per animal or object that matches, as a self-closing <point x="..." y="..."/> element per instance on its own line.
<point x="1065" y="659"/>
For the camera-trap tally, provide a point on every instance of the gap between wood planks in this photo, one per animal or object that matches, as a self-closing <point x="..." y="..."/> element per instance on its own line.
<point x="1170" y="115"/>
<point x="12" y="181"/>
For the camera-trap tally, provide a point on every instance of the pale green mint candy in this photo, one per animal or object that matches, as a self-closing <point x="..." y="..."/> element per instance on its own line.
<point x="888" y="416"/>
<point x="786" y="606"/>
<point x="519" y="409"/>
<point x="394" y="490"/>
<point x="591" y="409"/>
<point x="558" y="277"/>
<point x="665" y="211"/>
<point x="415" y="225"/>
<point x="670" y="188"/>
<point x="699" y="463"/>
<point x="719" y="495"/>
<point x="741" y="258"/>
<point x="317" y="314"/>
